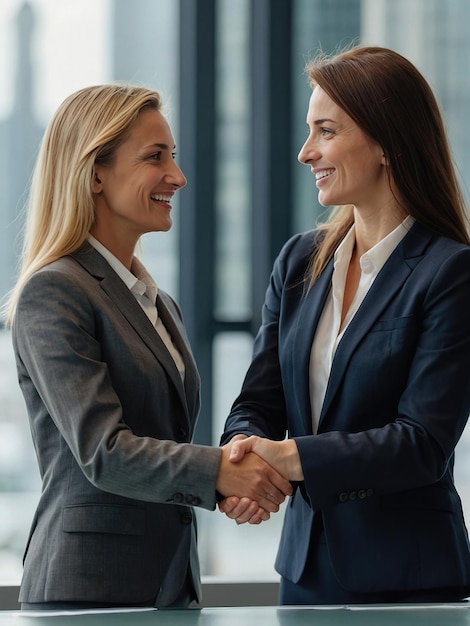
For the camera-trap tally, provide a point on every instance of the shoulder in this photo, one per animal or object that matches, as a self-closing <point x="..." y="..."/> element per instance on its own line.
<point x="300" y="245"/>
<point x="63" y="275"/>
<point x="59" y="290"/>
<point x="449" y="247"/>
<point x="293" y="259"/>
<point x="435" y="253"/>
<point x="421" y="240"/>
<point x="440" y="268"/>
<point x="84" y="265"/>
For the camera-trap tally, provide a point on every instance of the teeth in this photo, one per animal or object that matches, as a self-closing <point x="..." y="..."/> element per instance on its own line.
<point x="161" y="197"/>
<point x="323" y="173"/>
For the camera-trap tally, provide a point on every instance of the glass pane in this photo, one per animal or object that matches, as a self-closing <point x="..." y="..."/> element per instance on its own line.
<point x="233" y="161"/>
<point x="434" y="36"/>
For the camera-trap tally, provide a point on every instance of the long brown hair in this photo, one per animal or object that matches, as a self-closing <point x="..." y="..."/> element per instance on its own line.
<point x="390" y="101"/>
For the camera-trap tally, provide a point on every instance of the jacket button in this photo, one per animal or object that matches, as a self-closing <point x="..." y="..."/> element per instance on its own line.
<point x="361" y="494"/>
<point x="192" y="500"/>
<point x="343" y="497"/>
<point x="186" y="518"/>
<point x="353" y="495"/>
<point x="370" y="492"/>
<point x="178" y="497"/>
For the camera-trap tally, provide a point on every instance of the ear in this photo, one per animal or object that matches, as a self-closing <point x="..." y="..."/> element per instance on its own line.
<point x="383" y="160"/>
<point x="96" y="184"/>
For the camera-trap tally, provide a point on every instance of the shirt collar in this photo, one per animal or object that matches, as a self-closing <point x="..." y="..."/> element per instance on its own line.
<point x="374" y="259"/>
<point x="138" y="281"/>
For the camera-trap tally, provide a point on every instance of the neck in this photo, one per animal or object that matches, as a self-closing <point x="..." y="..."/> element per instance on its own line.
<point x="122" y="250"/>
<point x="372" y="227"/>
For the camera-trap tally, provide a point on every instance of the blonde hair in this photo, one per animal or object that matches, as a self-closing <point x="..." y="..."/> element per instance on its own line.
<point x="393" y="104"/>
<point x="86" y="129"/>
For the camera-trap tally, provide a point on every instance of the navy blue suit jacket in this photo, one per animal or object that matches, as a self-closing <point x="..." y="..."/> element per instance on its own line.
<point x="380" y="469"/>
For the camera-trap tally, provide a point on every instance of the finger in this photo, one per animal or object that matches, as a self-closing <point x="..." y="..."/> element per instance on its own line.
<point x="240" y="507"/>
<point x="268" y="503"/>
<point x="265" y="491"/>
<point x="255" y="520"/>
<point x="228" y="504"/>
<point x="260" y="516"/>
<point x="265" y="516"/>
<point x="270" y="497"/>
<point x="270" y="493"/>
<point x="244" y="511"/>
<point x="281" y="486"/>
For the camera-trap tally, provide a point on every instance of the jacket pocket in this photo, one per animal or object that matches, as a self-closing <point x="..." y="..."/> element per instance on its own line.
<point x="103" y="518"/>
<point x="394" y="323"/>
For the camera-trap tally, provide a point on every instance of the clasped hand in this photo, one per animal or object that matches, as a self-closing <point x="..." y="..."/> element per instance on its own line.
<point x="256" y="473"/>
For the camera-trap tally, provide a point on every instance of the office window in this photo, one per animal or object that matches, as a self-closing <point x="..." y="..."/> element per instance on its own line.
<point x="233" y="163"/>
<point x="49" y="48"/>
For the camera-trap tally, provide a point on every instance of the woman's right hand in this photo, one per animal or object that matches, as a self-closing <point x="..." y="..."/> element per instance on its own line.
<point x="281" y="455"/>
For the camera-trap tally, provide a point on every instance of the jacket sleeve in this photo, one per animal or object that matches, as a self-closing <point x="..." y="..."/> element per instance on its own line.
<point x="64" y="373"/>
<point x="260" y="409"/>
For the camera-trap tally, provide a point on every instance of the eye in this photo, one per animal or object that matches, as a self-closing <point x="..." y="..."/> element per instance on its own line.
<point x="156" y="156"/>
<point x="326" y="131"/>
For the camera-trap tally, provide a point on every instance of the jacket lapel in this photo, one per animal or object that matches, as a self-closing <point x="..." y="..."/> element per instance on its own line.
<point x="310" y="309"/>
<point x="384" y="288"/>
<point x="92" y="261"/>
<point x="173" y="323"/>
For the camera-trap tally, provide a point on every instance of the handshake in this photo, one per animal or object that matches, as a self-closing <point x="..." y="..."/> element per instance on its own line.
<point x="254" y="477"/>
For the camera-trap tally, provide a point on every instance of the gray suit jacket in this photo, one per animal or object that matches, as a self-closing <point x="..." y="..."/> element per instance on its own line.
<point x="111" y="421"/>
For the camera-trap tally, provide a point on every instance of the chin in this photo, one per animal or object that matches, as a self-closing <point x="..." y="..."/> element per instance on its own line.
<point x="163" y="228"/>
<point x="324" y="201"/>
<point x="329" y="201"/>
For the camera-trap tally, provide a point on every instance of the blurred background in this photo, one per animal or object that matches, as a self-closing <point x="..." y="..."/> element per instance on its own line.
<point x="231" y="73"/>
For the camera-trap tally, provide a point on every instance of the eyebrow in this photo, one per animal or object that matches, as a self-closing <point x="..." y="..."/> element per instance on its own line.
<point x="323" y="120"/>
<point x="162" y="146"/>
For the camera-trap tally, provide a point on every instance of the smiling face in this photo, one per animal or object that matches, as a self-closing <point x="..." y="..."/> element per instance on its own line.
<point x="348" y="165"/>
<point x="133" y="195"/>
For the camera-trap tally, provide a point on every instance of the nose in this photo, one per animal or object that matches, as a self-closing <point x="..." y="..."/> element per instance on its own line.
<point x="176" y="176"/>
<point x="308" y="152"/>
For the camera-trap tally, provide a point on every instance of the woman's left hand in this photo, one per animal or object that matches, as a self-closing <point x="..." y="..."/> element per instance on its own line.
<point x="243" y="510"/>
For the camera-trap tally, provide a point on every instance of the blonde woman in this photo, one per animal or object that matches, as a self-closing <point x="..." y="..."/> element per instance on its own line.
<point x="111" y="387"/>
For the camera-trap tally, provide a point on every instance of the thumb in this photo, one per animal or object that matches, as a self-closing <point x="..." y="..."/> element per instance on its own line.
<point x="239" y="448"/>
